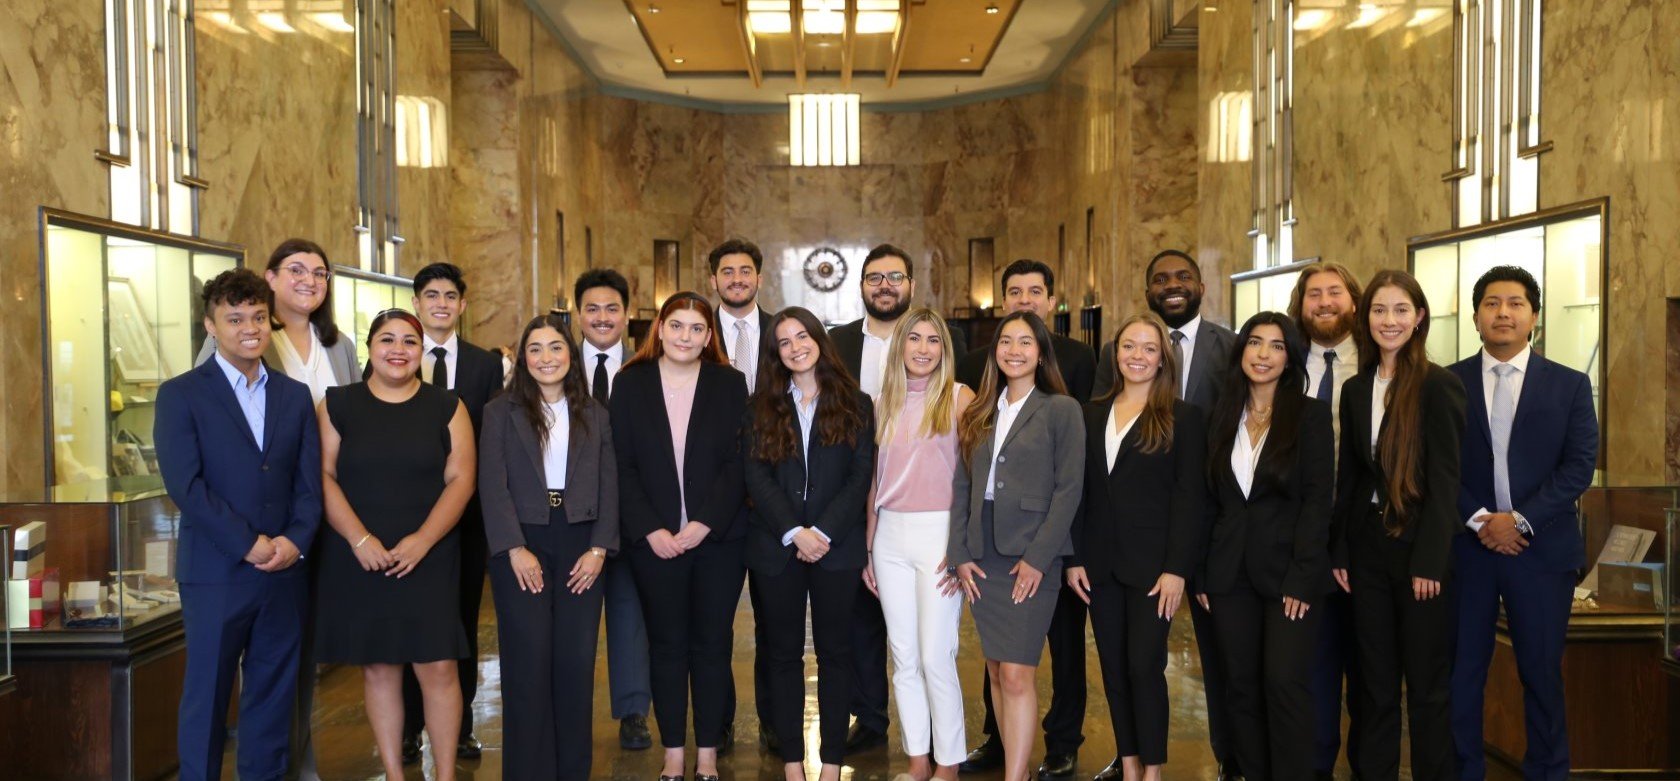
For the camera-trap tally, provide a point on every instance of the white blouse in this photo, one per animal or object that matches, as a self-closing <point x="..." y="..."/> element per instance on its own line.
<point x="1379" y="407"/>
<point x="316" y="371"/>
<point x="1113" y="438"/>
<point x="1245" y="454"/>
<point x="559" y="438"/>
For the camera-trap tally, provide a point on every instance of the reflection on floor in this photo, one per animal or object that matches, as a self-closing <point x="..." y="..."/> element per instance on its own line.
<point x="345" y="750"/>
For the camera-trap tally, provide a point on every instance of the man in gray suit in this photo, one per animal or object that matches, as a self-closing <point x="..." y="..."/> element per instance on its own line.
<point x="1174" y="291"/>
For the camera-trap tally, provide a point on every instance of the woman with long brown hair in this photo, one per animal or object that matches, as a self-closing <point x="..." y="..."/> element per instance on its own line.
<point x="549" y="483"/>
<point x="676" y="418"/>
<point x="1013" y="503"/>
<point x="808" y="446"/>
<point x="1140" y="534"/>
<point x="1396" y="513"/>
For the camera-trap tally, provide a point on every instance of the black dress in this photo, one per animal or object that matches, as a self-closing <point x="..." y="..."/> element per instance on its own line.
<point x="391" y="459"/>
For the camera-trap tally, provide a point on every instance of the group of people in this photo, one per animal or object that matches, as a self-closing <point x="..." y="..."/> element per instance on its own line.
<point x="1332" y="507"/>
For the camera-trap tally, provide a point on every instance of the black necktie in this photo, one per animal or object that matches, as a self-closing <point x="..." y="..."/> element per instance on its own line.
<point x="1326" y="384"/>
<point x="440" y="367"/>
<point x="598" y="384"/>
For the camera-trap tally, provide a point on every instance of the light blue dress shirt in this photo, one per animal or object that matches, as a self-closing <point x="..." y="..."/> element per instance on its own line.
<point x="252" y="396"/>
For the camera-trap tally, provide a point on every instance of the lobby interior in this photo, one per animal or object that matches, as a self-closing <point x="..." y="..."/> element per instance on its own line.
<point x="530" y="140"/>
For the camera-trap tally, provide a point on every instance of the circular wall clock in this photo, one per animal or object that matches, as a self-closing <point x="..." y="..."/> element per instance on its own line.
<point x="825" y="269"/>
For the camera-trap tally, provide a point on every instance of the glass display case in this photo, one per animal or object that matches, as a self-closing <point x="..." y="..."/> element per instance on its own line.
<point x="1265" y="290"/>
<point x="1565" y="248"/>
<point x="122" y="315"/>
<point x="101" y="556"/>
<point x="1671" y="594"/>
<point x="6" y="682"/>
<point x="358" y="295"/>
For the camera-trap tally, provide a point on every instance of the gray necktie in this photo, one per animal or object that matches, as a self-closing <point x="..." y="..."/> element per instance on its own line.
<point x="741" y="342"/>
<point x="1178" y="357"/>
<point x="1499" y="425"/>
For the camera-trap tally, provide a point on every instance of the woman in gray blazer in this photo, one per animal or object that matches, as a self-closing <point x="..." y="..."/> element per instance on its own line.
<point x="548" y="481"/>
<point x="1023" y="446"/>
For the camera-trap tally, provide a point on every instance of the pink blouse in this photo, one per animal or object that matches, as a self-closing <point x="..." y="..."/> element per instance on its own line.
<point x="913" y="473"/>
<point x="679" y="403"/>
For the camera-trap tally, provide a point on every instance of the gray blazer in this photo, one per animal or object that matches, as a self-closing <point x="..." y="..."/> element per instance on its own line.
<point x="513" y="489"/>
<point x="1040" y="480"/>
<point x="341" y="356"/>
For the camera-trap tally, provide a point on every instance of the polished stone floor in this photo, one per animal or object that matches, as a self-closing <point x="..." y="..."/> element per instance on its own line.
<point x="345" y="744"/>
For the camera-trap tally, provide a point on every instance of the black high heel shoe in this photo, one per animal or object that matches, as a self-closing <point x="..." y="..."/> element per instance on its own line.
<point x="671" y="778"/>
<point x="698" y="777"/>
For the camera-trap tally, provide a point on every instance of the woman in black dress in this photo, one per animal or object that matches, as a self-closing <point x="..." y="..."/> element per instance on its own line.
<point x="399" y="464"/>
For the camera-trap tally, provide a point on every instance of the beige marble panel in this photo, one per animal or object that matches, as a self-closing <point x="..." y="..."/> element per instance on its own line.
<point x="52" y="117"/>
<point x="1224" y="185"/>
<point x="484" y="210"/>
<point x="423" y="71"/>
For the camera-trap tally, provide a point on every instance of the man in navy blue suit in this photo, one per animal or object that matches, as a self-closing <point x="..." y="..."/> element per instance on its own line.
<point x="1529" y="454"/>
<point x="240" y="453"/>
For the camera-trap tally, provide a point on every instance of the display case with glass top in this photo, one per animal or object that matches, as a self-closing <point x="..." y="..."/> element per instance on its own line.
<point x="6" y="682"/>
<point x="1669" y="588"/>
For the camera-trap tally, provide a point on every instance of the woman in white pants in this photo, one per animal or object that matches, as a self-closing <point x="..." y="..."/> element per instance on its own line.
<point x="909" y="520"/>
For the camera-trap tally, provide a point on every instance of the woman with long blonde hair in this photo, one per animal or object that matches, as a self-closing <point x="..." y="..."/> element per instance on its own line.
<point x="1141" y="532"/>
<point x="909" y="519"/>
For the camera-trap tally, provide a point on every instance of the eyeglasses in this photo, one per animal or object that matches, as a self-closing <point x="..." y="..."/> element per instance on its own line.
<point x="894" y="278"/>
<point x="299" y="272"/>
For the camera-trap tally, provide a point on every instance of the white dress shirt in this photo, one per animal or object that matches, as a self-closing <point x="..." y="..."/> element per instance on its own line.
<point x="1379" y="408"/>
<point x="315" y="371"/>
<point x="1347" y="365"/>
<point x="559" y="438"/>
<point x="873" y="365"/>
<point x="727" y="331"/>
<point x="1006" y="415"/>
<point x="807" y="419"/>
<point x="1188" y="345"/>
<point x="1113" y="438"/>
<point x="452" y="348"/>
<point x="1513" y="384"/>
<point x="615" y="361"/>
<point x="1245" y="453"/>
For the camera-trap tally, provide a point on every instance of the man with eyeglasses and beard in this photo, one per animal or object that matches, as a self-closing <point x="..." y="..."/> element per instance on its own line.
<point x="888" y="285"/>
<point x="1203" y="348"/>
<point x="1325" y="304"/>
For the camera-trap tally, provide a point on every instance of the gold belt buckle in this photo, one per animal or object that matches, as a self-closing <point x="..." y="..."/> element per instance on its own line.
<point x="555" y="498"/>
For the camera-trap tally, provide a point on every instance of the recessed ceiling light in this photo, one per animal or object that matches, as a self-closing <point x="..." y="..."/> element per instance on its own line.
<point x="992" y="9"/>
<point x="965" y="59"/>
<point x="653" y="9"/>
<point x="679" y="61"/>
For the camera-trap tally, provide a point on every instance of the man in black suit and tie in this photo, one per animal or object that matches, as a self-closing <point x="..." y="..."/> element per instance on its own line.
<point x="888" y="285"/>
<point x="475" y="375"/>
<point x="1030" y="286"/>
<point x="602" y="298"/>
<point x="1527" y="456"/>
<point x="1174" y="292"/>
<point x="736" y="264"/>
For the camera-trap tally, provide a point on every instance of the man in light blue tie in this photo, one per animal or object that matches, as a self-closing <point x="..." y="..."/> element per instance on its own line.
<point x="1528" y="455"/>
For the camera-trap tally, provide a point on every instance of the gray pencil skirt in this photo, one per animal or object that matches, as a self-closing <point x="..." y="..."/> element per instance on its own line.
<point x="1010" y="632"/>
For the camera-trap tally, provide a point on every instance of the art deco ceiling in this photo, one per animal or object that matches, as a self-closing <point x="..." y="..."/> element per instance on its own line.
<point x="746" y="53"/>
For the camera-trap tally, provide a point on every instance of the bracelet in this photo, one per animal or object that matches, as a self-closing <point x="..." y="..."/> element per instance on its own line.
<point x="362" y="540"/>
<point x="597" y="552"/>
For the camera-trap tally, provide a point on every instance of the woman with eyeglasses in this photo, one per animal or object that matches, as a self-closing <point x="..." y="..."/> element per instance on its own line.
<point x="1271" y="466"/>
<point x="1023" y="446"/>
<point x="549" y="485"/>
<point x="677" y="408"/>
<point x="398" y="462"/>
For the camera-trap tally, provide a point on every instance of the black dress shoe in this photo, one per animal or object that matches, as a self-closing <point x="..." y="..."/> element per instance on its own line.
<point x="1229" y="772"/>
<point x="861" y="737"/>
<point x="633" y="733"/>
<point x="1109" y="773"/>
<point x="469" y="748"/>
<point x="411" y="750"/>
<point x="1056" y="766"/>
<point x="670" y="778"/>
<point x="698" y="777"/>
<point x="767" y="740"/>
<point x="984" y="757"/>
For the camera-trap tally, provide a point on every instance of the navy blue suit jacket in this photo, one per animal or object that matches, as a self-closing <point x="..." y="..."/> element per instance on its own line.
<point x="227" y="489"/>
<point x="1553" y="451"/>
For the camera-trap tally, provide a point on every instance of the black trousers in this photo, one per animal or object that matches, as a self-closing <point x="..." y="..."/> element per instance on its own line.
<point x="869" y="662"/>
<point x="761" y="665"/>
<point x="689" y="603"/>
<point x="833" y="597"/>
<point x="1268" y="667"/>
<point x="1399" y="638"/>
<point x="1333" y="661"/>
<point x="1064" y="720"/>
<point x="1132" y="649"/>
<point x="1214" y="687"/>
<point x="548" y="644"/>
<point x="475" y="556"/>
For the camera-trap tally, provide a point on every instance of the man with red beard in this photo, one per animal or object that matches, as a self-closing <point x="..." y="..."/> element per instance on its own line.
<point x="1325" y="305"/>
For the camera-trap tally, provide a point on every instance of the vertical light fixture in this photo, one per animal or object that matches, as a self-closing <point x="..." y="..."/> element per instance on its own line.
<point x="823" y="129"/>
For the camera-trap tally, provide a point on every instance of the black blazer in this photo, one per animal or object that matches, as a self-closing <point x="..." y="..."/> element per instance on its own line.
<point x="848" y="339"/>
<point x="832" y="500"/>
<point x="1210" y="358"/>
<point x="1077" y="361"/>
<point x="1279" y="535"/>
<point x="1435" y="520"/>
<point x="513" y="487"/>
<point x="1148" y="515"/>
<point x="649" y="496"/>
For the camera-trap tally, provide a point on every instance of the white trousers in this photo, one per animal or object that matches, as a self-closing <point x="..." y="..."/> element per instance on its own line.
<point x="921" y="632"/>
